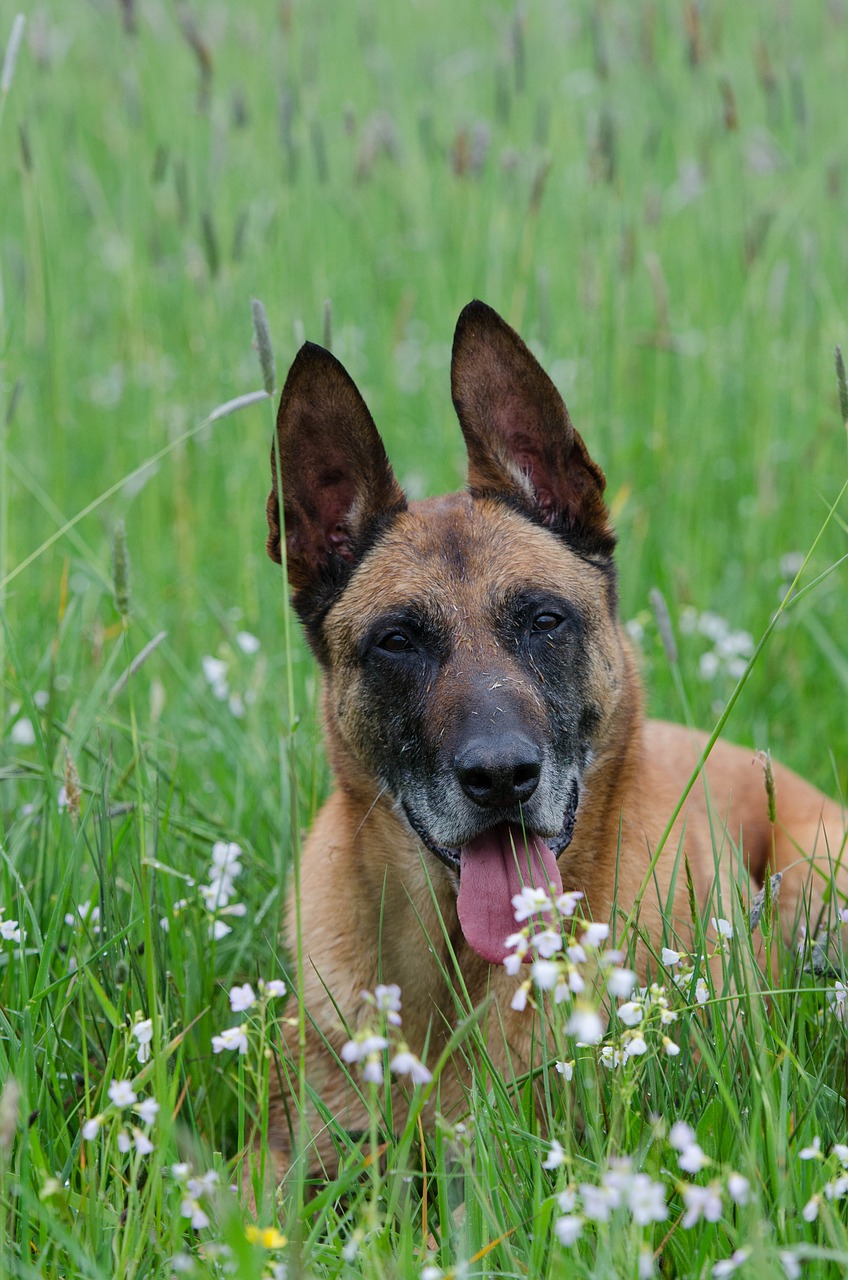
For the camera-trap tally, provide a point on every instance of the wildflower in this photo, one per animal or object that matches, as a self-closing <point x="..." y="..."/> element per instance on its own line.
<point x="143" y="1033"/>
<point x="10" y="931"/>
<point x="682" y="1135"/>
<point x="837" y="1189"/>
<point x="529" y="902"/>
<point x="836" y="1000"/>
<point x="727" y="1266"/>
<point x="646" y="1268"/>
<point x="595" y="934"/>
<point x="635" y="1046"/>
<point x="121" y="1093"/>
<point x="631" y="1014"/>
<point x="124" y="1141"/>
<point x="242" y="998"/>
<point x="585" y="1025"/>
<point x="232" y="1038"/>
<point x="273" y="989"/>
<point x="22" y="733"/>
<point x="405" y="1063"/>
<point x="555" y="1157"/>
<point x="387" y="999"/>
<point x="646" y="1200"/>
<point x="598" y="1202"/>
<point x="810" y="1210"/>
<point x="566" y="903"/>
<point x="567" y="1199"/>
<point x="547" y="943"/>
<point x="268" y="1237"/>
<point x="357" y="1050"/>
<point x="611" y="1057"/>
<point x="565" y="1069"/>
<point x="247" y="642"/>
<point x="620" y="983"/>
<point x="692" y="1159"/>
<point x="722" y="927"/>
<point x="431" y="1273"/>
<point x="519" y="1000"/>
<point x="670" y="958"/>
<point x="841" y="1153"/>
<point x="191" y="1208"/>
<point x="669" y="1047"/>
<point x="142" y="1143"/>
<point x="147" y="1110"/>
<point x="701" y="1202"/>
<point x="215" y="671"/>
<point x="813" y="1152"/>
<point x="372" y="1072"/>
<point x="738" y="1188"/>
<point x="790" y="1264"/>
<point x="545" y="974"/>
<point x="702" y="991"/>
<point x="568" y="1229"/>
<point x="91" y="1128"/>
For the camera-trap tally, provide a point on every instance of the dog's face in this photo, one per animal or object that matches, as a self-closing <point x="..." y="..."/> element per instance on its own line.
<point x="469" y="644"/>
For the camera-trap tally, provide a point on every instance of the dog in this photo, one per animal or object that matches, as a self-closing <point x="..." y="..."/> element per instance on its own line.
<point x="483" y="717"/>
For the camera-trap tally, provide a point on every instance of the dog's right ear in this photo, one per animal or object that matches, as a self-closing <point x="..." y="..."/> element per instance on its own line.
<point x="338" y="488"/>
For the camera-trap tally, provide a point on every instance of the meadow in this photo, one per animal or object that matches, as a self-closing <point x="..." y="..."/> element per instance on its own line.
<point x="656" y="196"/>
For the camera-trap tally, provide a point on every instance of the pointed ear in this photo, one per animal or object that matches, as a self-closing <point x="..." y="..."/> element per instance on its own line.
<point x="338" y="487"/>
<point x="521" y="444"/>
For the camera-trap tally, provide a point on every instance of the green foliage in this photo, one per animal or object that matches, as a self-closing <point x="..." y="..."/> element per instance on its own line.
<point x="654" y="195"/>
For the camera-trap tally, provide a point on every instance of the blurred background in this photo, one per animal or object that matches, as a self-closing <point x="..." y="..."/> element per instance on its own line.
<point x="654" y="194"/>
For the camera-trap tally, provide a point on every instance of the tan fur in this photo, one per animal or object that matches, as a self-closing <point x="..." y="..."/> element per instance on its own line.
<point x="376" y="906"/>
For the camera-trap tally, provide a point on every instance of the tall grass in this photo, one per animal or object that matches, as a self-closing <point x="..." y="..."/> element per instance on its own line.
<point x="655" y="195"/>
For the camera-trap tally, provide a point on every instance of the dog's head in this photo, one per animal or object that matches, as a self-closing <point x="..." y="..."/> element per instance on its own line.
<point x="472" y="659"/>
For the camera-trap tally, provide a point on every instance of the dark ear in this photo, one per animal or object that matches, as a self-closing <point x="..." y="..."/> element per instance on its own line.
<point x="338" y="487"/>
<point x="521" y="444"/>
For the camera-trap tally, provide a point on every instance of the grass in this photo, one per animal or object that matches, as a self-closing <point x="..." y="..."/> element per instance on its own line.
<point x="655" y="196"/>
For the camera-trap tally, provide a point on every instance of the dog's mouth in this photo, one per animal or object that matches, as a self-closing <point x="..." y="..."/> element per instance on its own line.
<point x="495" y="866"/>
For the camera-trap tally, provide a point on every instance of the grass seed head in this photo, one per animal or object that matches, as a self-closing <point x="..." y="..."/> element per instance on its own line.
<point x="842" y="383"/>
<point x="121" y="570"/>
<point x="262" y="338"/>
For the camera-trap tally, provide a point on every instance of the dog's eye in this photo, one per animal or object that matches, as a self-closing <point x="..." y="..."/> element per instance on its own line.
<point x="546" y="622"/>
<point x="395" y="642"/>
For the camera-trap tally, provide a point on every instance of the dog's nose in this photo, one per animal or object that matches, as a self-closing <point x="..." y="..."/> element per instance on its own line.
<point x="498" y="772"/>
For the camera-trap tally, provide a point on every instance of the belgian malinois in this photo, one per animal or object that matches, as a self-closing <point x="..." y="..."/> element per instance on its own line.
<point x="480" y="698"/>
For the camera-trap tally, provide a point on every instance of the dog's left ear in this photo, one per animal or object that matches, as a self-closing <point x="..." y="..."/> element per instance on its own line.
<point x="521" y="444"/>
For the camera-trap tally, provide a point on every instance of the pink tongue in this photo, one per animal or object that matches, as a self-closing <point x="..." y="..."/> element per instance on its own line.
<point x="493" y="868"/>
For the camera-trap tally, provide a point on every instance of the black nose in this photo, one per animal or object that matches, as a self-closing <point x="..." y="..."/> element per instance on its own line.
<point x="498" y="772"/>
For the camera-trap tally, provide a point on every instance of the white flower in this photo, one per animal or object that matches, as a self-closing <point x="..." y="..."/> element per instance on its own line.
<point x="620" y="983"/>
<point x="529" y="902"/>
<point x="387" y="999"/>
<point x="431" y="1273"/>
<point x="632" y="1013"/>
<point x="406" y="1064"/>
<point x="682" y="1135"/>
<point x="636" y="1045"/>
<point x="722" y="927"/>
<point x="702" y="991"/>
<point x="566" y="1069"/>
<point x="357" y="1050"/>
<point x="200" y="1186"/>
<point x="585" y="1025"/>
<point x="219" y="930"/>
<point x="692" y="1159"/>
<point x="566" y="903"/>
<point x="143" y="1145"/>
<point x="512" y="964"/>
<point x="594" y="934"/>
<point x="22" y="733"/>
<point x="545" y="974"/>
<point x="547" y="943"/>
<point x="646" y="1200"/>
<point x="555" y="1157"/>
<point x="373" y="1070"/>
<point x="810" y="1210"/>
<point x="576" y="954"/>
<point x="273" y="989"/>
<point x="147" y="1110"/>
<point x="232" y="1038"/>
<point x="191" y="1209"/>
<point x="519" y="1000"/>
<point x="670" y="958"/>
<point x="568" y="1229"/>
<point x="143" y="1033"/>
<point x="837" y="1189"/>
<point x="738" y="1188"/>
<point x="728" y="1265"/>
<point x="669" y="1047"/>
<point x="598" y="1202"/>
<point x="91" y="1128"/>
<point x="121" y="1093"/>
<point x="610" y="1057"/>
<point x="841" y="1153"/>
<point x="10" y="931"/>
<point x="247" y="642"/>
<point x="701" y="1202"/>
<point x="124" y="1141"/>
<point x="215" y="671"/>
<point x="180" y="1171"/>
<point x="225" y="857"/>
<point x="813" y="1152"/>
<point x="242" y="998"/>
<point x="790" y="1264"/>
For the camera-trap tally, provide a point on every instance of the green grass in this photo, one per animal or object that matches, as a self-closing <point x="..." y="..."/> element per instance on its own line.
<point x="655" y="195"/>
